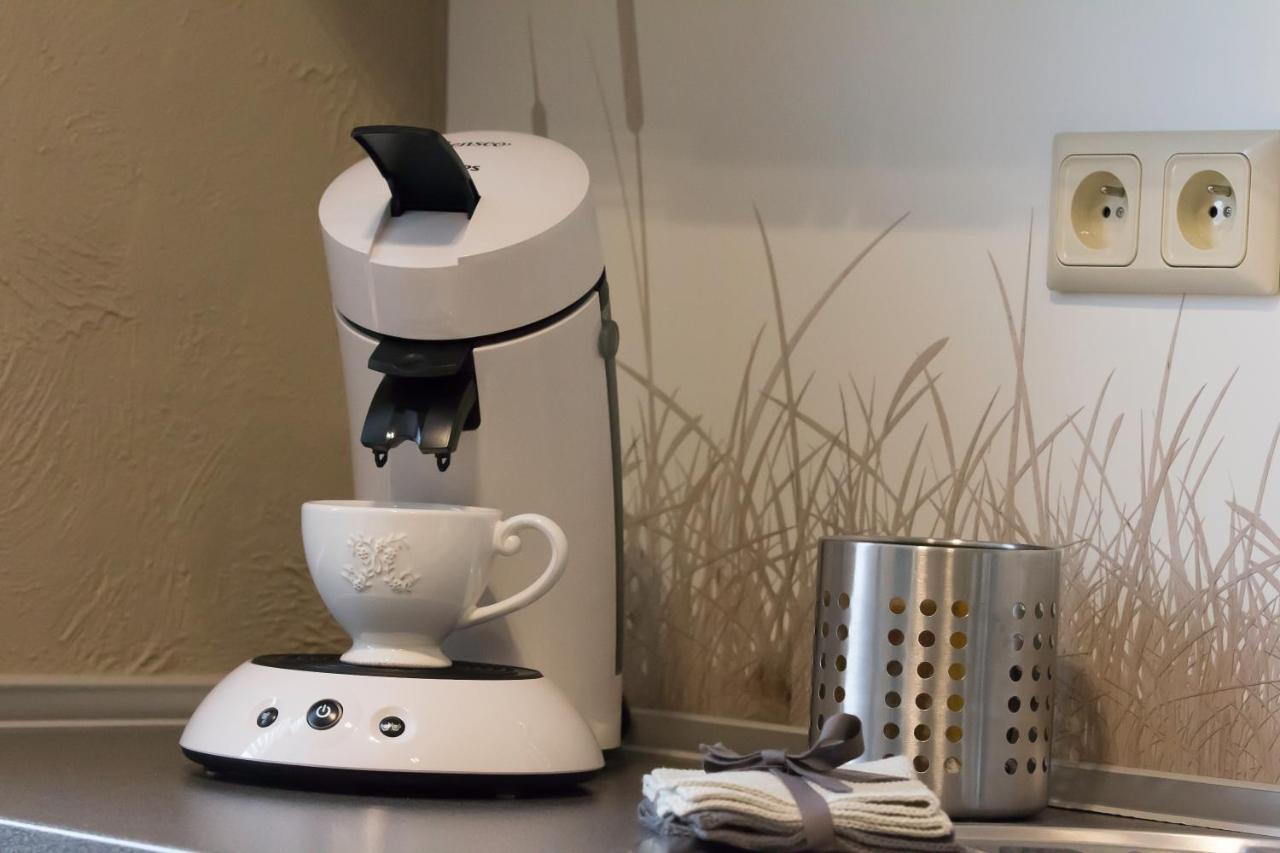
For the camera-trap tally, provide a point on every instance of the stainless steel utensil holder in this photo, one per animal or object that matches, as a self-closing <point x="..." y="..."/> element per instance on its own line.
<point x="945" y="650"/>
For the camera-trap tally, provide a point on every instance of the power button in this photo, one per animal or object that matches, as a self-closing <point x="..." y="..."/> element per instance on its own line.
<point x="324" y="714"/>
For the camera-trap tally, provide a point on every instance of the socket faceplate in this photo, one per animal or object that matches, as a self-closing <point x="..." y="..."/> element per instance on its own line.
<point x="1187" y="248"/>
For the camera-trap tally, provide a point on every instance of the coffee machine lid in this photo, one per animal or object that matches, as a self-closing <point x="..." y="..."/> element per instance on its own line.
<point x="415" y="250"/>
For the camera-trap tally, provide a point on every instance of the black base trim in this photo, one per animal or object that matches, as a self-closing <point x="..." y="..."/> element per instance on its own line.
<point x="350" y="781"/>
<point x="460" y="671"/>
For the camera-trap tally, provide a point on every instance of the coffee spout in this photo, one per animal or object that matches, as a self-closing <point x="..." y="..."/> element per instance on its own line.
<point x="428" y="396"/>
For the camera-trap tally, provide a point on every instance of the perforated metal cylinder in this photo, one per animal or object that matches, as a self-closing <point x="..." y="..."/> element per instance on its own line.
<point x="945" y="650"/>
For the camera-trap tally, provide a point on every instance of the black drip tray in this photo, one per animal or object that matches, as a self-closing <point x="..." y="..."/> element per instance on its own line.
<point x="460" y="671"/>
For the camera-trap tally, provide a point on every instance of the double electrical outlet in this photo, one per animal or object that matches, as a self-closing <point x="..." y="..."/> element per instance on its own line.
<point x="1195" y="212"/>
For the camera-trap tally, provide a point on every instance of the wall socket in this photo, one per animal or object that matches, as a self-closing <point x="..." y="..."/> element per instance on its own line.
<point x="1100" y="195"/>
<point x="1194" y="212"/>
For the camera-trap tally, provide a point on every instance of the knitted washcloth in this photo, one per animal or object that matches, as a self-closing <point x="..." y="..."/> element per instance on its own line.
<point x="748" y="833"/>
<point x="905" y="809"/>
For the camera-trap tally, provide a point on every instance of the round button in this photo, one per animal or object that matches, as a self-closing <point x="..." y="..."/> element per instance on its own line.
<point x="324" y="714"/>
<point x="391" y="726"/>
<point x="266" y="717"/>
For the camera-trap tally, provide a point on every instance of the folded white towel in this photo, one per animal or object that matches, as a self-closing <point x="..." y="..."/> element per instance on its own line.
<point x="904" y="808"/>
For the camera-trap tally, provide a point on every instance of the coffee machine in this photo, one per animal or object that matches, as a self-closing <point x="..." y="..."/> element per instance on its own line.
<point x="477" y="352"/>
<point x="478" y="357"/>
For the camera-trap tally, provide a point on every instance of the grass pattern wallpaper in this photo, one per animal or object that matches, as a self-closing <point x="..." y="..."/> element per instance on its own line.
<point x="1167" y="651"/>
<point x="1168" y="646"/>
<point x="1169" y="643"/>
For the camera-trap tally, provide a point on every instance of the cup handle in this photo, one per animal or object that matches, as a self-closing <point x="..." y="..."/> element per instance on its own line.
<point x="506" y="542"/>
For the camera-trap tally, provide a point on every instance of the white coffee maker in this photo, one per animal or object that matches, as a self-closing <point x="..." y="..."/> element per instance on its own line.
<point x="473" y="317"/>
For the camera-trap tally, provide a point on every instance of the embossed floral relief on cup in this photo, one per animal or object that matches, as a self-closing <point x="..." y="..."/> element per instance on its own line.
<point x="384" y="557"/>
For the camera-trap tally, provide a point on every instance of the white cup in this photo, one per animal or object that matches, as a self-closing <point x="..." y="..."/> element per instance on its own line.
<point x="401" y="577"/>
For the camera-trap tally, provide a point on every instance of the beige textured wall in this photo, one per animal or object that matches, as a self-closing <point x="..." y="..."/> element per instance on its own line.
<point x="169" y="379"/>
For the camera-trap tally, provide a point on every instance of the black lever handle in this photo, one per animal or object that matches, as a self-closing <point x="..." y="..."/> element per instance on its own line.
<point x="421" y="168"/>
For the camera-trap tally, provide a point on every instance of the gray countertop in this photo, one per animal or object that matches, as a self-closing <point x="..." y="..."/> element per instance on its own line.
<point x="129" y="788"/>
<point x="132" y="785"/>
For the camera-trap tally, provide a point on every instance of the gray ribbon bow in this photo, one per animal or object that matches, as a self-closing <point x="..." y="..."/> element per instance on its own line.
<point x="839" y="742"/>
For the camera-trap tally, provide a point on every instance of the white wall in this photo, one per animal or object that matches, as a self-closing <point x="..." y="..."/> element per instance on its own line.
<point x="835" y="118"/>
